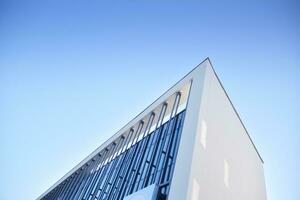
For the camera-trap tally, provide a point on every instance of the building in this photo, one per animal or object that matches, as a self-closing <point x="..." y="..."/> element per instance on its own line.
<point x="190" y="144"/>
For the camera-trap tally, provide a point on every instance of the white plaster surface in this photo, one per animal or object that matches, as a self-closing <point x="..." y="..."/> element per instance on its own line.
<point x="224" y="163"/>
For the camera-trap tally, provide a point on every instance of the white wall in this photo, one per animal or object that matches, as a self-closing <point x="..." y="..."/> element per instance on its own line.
<point x="225" y="164"/>
<point x="179" y="184"/>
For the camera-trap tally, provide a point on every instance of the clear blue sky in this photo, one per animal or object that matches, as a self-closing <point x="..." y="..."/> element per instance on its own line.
<point x="74" y="72"/>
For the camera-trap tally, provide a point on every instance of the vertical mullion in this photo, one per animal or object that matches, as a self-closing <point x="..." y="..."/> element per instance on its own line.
<point x="159" y="121"/>
<point x="68" y="185"/>
<point x="98" y="170"/>
<point x="80" y="181"/>
<point x="170" y="158"/>
<point x="167" y="136"/>
<point x="90" y="175"/>
<point x="95" y="181"/>
<point x="133" y="160"/>
<point x="127" y="150"/>
<point x="154" y="163"/>
<point x="78" y="175"/>
<point x="122" y="174"/>
<point x="127" y="157"/>
<point x="117" y="174"/>
<point x="127" y="170"/>
<point x="167" y="143"/>
<point x="51" y="194"/>
<point x="109" y="173"/>
<point x="152" y="138"/>
<point x="130" y="163"/>
<point x="85" y="177"/>
<point x="107" y="166"/>
<point x="110" y="176"/>
<point x="142" y="152"/>
<point x="172" y="123"/>
<point x="98" y="180"/>
<point x="160" y="133"/>
<point x="103" y="179"/>
<point x="145" y="161"/>
<point x="179" y="131"/>
<point x="63" y="188"/>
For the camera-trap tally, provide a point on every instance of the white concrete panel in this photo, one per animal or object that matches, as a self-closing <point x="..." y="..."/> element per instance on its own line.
<point x="181" y="177"/>
<point x="229" y="168"/>
<point x="216" y="158"/>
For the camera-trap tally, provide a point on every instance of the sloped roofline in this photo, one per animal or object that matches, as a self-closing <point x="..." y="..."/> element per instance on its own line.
<point x="179" y="84"/>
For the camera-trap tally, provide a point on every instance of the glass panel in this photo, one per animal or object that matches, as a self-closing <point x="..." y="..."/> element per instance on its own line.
<point x="150" y="160"/>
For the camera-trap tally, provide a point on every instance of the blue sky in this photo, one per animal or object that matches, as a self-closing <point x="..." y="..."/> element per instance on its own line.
<point x="74" y="72"/>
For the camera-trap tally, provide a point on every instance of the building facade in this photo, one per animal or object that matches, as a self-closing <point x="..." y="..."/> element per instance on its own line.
<point x="190" y="144"/>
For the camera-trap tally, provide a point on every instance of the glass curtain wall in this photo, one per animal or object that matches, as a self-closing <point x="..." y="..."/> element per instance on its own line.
<point x="127" y="165"/>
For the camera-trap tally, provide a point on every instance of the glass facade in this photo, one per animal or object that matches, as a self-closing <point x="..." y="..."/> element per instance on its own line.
<point x="129" y="164"/>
